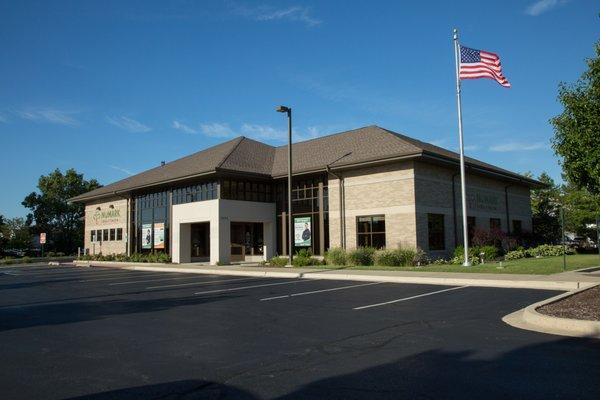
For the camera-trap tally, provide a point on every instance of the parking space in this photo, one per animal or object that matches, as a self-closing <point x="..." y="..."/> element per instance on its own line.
<point x="72" y="332"/>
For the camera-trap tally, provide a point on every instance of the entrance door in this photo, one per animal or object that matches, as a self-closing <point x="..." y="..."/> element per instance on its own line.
<point x="200" y="237"/>
<point x="246" y="241"/>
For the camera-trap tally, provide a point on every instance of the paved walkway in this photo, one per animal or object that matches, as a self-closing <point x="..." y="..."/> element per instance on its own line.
<point x="571" y="280"/>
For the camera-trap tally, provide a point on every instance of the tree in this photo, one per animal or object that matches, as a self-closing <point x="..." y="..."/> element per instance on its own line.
<point x="17" y="234"/>
<point x="545" y="210"/>
<point x="581" y="209"/>
<point x="51" y="212"/>
<point x="577" y="129"/>
<point x="3" y="238"/>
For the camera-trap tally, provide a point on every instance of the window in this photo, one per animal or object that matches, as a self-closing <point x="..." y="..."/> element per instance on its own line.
<point x="112" y="234"/>
<point x="471" y="221"/>
<point x="99" y="235"/>
<point x="517" y="227"/>
<point x="105" y="235"/>
<point x="370" y="231"/>
<point x="435" y="226"/>
<point x="93" y="236"/>
<point x="495" y="224"/>
<point x="119" y="233"/>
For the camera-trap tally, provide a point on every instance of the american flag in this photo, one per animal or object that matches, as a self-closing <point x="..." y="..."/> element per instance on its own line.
<point x="475" y="64"/>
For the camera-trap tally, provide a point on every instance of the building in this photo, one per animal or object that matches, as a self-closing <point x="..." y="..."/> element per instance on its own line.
<point x="368" y="186"/>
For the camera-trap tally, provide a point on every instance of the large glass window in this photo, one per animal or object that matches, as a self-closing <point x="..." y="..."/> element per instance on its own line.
<point x="105" y="235"/>
<point x="435" y="226"/>
<point x="370" y="231"/>
<point x="119" y="233"/>
<point x="113" y="234"/>
<point x="99" y="235"/>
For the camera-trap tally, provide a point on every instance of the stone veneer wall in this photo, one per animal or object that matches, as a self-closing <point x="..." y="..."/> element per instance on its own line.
<point x="95" y="219"/>
<point x="387" y="190"/>
<point x="485" y="200"/>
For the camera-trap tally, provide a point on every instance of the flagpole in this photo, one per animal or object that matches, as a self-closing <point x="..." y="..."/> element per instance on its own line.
<point x="463" y="189"/>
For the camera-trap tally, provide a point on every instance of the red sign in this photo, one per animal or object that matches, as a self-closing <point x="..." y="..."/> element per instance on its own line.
<point x="42" y="238"/>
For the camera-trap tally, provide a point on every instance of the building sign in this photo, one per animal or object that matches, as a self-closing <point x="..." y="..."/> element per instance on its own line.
<point x="110" y="216"/>
<point x="302" y="231"/>
<point x="146" y="236"/>
<point x="42" y="238"/>
<point x="159" y="235"/>
<point x="483" y="201"/>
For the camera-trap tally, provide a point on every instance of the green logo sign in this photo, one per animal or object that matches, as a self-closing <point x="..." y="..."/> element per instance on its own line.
<point x="102" y="217"/>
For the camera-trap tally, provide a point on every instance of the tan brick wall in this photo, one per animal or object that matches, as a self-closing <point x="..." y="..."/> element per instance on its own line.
<point x="387" y="190"/>
<point x="106" y="218"/>
<point x="485" y="200"/>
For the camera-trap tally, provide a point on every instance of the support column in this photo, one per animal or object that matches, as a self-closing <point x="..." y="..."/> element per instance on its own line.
<point x="283" y="234"/>
<point x="321" y="220"/>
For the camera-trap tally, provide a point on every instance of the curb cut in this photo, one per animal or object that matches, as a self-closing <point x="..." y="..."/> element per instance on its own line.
<point x="331" y="275"/>
<point x="529" y="319"/>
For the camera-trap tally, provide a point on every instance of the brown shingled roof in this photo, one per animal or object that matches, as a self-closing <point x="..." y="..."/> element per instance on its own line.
<point x="344" y="149"/>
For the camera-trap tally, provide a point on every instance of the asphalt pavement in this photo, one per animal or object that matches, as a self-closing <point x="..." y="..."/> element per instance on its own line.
<point x="102" y="333"/>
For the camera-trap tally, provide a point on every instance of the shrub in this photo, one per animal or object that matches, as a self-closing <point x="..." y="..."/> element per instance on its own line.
<point x="387" y="258"/>
<point x="304" y="258"/>
<point x="335" y="256"/>
<point x="549" y="250"/>
<point x="515" y="255"/>
<point x="278" y="261"/>
<point x="489" y="252"/>
<point x="361" y="256"/>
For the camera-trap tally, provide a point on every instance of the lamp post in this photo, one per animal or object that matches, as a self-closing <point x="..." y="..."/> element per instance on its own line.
<point x="288" y="111"/>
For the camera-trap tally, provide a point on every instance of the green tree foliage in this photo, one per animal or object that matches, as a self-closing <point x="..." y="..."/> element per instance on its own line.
<point x="581" y="209"/>
<point x="16" y="233"/>
<point x="3" y="238"/>
<point x="51" y="212"/>
<point x="577" y="129"/>
<point x="545" y="210"/>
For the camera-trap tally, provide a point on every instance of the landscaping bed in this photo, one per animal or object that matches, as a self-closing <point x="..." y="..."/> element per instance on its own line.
<point x="583" y="305"/>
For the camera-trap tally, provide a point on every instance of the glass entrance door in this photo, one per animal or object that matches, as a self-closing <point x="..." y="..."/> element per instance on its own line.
<point x="246" y="239"/>
<point x="200" y="237"/>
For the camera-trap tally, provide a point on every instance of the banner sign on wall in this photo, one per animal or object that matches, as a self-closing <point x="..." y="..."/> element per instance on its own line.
<point x="302" y="231"/>
<point x="159" y="235"/>
<point x="146" y="236"/>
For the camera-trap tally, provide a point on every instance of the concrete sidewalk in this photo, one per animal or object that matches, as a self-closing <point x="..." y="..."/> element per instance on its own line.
<point x="566" y="281"/>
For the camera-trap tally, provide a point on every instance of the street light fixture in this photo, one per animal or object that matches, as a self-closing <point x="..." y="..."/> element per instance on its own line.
<point x="288" y="111"/>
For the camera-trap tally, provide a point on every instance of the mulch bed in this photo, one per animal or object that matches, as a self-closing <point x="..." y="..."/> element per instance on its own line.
<point x="583" y="305"/>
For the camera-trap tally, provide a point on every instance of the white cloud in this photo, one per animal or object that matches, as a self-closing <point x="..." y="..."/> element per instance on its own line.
<point x="123" y="170"/>
<point x="542" y="6"/>
<point x="3" y="118"/>
<point x="217" y="130"/>
<point x="518" y="146"/>
<point x="49" y="115"/>
<point x="268" y="13"/>
<point x="184" y="128"/>
<point x="263" y="132"/>
<point x="128" y="124"/>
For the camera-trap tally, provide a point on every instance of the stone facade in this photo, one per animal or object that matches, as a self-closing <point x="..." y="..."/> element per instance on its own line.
<point x="406" y="192"/>
<point x="106" y="215"/>
<point x="486" y="199"/>
<point x="383" y="190"/>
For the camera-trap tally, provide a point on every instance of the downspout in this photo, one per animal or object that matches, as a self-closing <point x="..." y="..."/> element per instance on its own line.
<point x="342" y="211"/>
<point x="506" y="205"/>
<point x="454" y="208"/>
<point x="127" y="246"/>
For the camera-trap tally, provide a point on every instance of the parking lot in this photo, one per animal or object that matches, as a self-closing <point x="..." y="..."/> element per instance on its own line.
<point x="101" y="333"/>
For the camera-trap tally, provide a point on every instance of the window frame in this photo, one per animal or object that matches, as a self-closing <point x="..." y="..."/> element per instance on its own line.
<point x="430" y="232"/>
<point x="119" y="234"/>
<point x="370" y="233"/>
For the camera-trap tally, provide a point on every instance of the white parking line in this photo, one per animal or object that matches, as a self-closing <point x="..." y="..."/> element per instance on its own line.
<point x="202" y="283"/>
<point x="120" y="276"/>
<point x="256" y="286"/>
<point x="160" y="279"/>
<point x="409" y="298"/>
<point x="319" y="291"/>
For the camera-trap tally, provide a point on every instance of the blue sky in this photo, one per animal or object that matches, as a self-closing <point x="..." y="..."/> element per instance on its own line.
<point x="111" y="88"/>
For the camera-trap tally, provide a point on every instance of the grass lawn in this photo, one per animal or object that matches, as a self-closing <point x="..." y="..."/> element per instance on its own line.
<point x="537" y="266"/>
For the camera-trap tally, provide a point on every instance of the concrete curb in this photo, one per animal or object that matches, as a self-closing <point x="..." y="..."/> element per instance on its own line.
<point x="528" y="318"/>
<point x="347" y="276"/>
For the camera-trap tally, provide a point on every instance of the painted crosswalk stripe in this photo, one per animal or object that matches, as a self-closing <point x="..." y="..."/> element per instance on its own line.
<point x="409" y="298"/>
<point x="319" y="291"/>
